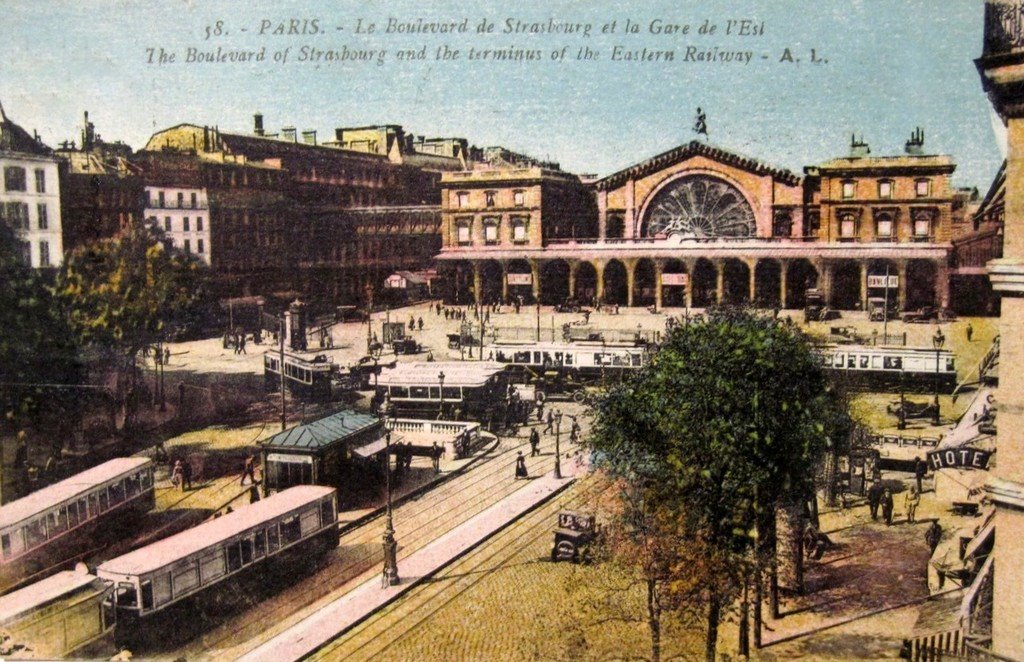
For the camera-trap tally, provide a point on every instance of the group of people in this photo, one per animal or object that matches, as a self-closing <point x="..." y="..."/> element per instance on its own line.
<point x="880" y="497"/>
<point x="574" y="436"/>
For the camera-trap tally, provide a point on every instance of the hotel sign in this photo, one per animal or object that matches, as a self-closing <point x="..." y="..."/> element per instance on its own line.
<point x="675" y="279"/>
<point x="959" y="458"/>
<point x="520" y="279"/>
<point x="889" y="282"/>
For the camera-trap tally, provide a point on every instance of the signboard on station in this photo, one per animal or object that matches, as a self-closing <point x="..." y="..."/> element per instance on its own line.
<point x="959" y="458"/>
<point x="519" y="279"/>
<point x="675" y="279"/>
<point x="889" y="282"/>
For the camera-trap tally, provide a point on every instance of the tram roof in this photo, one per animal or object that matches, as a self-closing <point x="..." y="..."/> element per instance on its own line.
<point x="425" y="373"/>
<point x="69" y="488"/>
<point x="867" y="349"/>
<point x="212" y="532"/>
<point x="31" y="597"/>
<point x="323" y="432"/>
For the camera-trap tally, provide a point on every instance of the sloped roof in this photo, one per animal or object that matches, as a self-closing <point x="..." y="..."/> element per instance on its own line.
<point x="13" y="138"/>
<point x="323" y="432"/>
<point x="689" y="150"/>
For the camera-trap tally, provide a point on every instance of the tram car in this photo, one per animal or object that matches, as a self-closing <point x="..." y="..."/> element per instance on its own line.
<point x="62" y="616"/>
<point x="468" y="390"/>
<point x="290" y="526"/>
<point x="581" y="361"/>
<point x="913" y="368"/>
<point x="52" y="528"/>
<point x="313" y="378"/>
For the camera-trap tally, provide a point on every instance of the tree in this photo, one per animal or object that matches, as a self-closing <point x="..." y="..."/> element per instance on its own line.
<point x="38" y="353"/>
<point x="730" y="420"/>
<point x="124" y="294"/>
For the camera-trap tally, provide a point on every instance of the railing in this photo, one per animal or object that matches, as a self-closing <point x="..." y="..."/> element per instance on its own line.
<point x="903" y="442"/>
<point x="1004" y="26"/>
<point x="942" y="645"/>
<point x="460" y="437"/>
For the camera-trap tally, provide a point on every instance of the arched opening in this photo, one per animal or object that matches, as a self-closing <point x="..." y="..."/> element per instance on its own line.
<point x="554" y="282"/>
<point x="845" y="285"/>
<point x="615" y="290"/>
<point x="673" y="292"/>
<point x="705" y="283"/>
<point x="737" y="282"/>
<point x="800" y="277"/>
<point x="881" y="287"/>
<point x="767" y="280"/>
<point x="643" y="283"/>
<point x="458" y="280"/>
<point x="520" y="281"/>
<point x="921" y="276"/>
<point x="586" y="283"/>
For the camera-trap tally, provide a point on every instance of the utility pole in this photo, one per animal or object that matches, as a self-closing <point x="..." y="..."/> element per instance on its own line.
<point x="280" y="338"/>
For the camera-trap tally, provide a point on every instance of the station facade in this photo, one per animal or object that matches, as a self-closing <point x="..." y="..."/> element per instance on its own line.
<point x="699" y="225"/>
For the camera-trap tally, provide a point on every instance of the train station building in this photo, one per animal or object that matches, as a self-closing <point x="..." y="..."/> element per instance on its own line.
<point x="698" y="225"/>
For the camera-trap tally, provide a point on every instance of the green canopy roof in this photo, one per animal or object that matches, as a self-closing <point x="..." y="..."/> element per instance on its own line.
<point x="323" y="432"/>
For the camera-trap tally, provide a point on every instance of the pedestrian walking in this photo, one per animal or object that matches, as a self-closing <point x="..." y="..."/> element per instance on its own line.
<point x="874" y="499"/>
<point x="241" y="344"/>
<point x="186" y="475"/>
<point x="176" y="475"/>
<point x="167" y="356"/>
<point x="970" y="332"/>
<point x="254" y="493"/>
<point x="435" y="456"/>
<point x="249" y="469"/>
<point x="550" y="427"/>
<point x="412" y="323"/>
<point x="21" y="455"/>
<point x="534" y="442"/>
<point x="521" y="466"/>
<point x="911" y="501"/>
<point x="576" y="429"/>
<point x="419" y="323"/>
<point x="920" y="469"/>
<point x="887" y="505"/>
<point x="933" y="535"/>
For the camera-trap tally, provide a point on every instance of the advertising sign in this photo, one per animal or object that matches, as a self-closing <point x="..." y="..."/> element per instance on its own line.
<point x="520" y="279"/>
<point x="959" y="458"/>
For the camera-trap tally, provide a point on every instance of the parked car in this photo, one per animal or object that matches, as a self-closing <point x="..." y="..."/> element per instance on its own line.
<point x="406" y="346"/>
<point x="921" y="315"/>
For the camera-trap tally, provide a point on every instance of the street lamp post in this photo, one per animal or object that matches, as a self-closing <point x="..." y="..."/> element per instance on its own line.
<point x="390" y="577"/>
<point x="369" y="316"/>
<point x="937" y="341"/>
<point x="440" y="379"/>
<point x="902" y="424"/>
<point x="558" y="449"/>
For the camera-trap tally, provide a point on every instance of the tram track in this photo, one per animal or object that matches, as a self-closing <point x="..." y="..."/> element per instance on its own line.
<point x="420" y="521"/>
<point x="391" y="625"/>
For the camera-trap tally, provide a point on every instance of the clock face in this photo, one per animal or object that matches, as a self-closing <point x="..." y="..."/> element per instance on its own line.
<point x="699" y="207"/>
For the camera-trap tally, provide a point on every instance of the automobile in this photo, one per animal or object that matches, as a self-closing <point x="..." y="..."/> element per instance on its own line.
<point x="366" y="367"/>
<point x="880" y="309"/>
<point x="406" y="346"/>
<point x="921" y="315"/>
<point x="569" y="306"/>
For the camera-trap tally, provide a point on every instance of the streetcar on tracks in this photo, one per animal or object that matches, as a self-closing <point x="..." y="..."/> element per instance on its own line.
<point x="915" y="368"/>
<point x="446" y="390"/>
<point x="314" y="378"/>
<point x="289" y="526"/>
<point x="566" y="369"/>
<point x="52" y="528"/>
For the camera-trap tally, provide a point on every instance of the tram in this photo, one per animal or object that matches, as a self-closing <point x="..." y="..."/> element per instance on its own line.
<point x="59" y="617"/>
<point x="299" y="522"/>
<point x="573" y="363"/>
<point x="468" y="390"/>
<point x="912" y="367"/>
<point x="311" y="378"/>
<point x="48" y="529"/>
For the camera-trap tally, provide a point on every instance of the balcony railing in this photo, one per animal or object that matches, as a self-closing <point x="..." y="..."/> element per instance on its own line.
<point x="1004" y="26"/>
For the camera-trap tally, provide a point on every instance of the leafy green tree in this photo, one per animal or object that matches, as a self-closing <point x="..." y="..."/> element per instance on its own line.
<point x="38" y="353"/>
<point x="731" y="419"/>
<point x="124" y="294"/>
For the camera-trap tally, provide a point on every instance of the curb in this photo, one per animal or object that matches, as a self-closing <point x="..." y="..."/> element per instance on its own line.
<point x="422" y="489"/>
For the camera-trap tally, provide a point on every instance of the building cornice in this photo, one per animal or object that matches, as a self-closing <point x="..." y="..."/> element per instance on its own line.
<point x="1007" y="276"/>
<point x="1005" y="493"/>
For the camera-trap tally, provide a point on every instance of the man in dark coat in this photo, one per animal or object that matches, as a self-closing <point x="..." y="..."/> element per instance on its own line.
<point x="920" y="469"/>
<point x="534" y="442"/>
<point x="874" y="499"/>
<point x="887" y="506"/>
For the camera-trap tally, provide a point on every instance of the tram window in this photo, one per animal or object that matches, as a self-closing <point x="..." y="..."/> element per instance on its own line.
<point x="185" y="579"/>
<point x="309" y="522"/>
<point x="104" y="502"/>
<point x="851" y="361"/>
<point x="234" y="557"/>
<point x="876" y="361"/>
<point x="109" y="615"/>
<point x="568" y="358"/>
<point x="132" y="485"/>
<point x="419" y="392"/>
<point x="522" y="357"/>
<point x="147" y="479"/>
<point x="5" y="544"/>
<point x="116" y="493"/>
<point x="246" y="546"/>
<point x="260" y="544"/>
<point x="83" y="511"/>
<point x="36" y="531"/>
<point x="893" y="363"/>
<point x="536" y="358"/>
<point x="950" y="365"/>
<point x="452" y="393"/>
<point x="212" y="566"/>
<point x="73" y="514"/>
<point x="501" y="356"/>
<point x="57" y="522"/>
<point x="162" y="588"/>
<point x="864" y="361"/>
<point x="291" y="530"/>
<point x="147" y="596"/>
<point x="399" y="392"/>
<point x="273" y="541"/>
<point x="125" y="595"/>
<point x="435" y="393"/>
<point x="838" y="360"/>
<point x="326" y="512"/>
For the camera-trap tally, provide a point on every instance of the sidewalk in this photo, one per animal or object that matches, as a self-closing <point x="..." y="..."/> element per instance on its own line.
<point x="337" y="617"/>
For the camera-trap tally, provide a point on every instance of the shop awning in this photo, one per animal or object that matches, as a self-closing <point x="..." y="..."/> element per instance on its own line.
<point x="371" y="448"/>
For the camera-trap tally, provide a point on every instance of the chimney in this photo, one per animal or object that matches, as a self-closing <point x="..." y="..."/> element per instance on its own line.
<point x="309" y="137"/>
<point x="258" y="124"/>
<point x="858" y="148"/>
<point x="88" y="132"/>
<point x="915" y="146"/>
<point x="288" y="133"/>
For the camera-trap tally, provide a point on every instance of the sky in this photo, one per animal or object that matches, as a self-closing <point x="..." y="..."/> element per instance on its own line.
<point x="884" y="67"/>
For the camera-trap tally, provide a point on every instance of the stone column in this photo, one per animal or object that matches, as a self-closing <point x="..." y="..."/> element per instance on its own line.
<point x="573" y="266"/>
<point x="602" y="215"/>
<point x="659" y="267"/>
<point x="599" y="285"/>
<point x="752" y="269"/>
<point x="783" y="273"/>
<point x="864" y="285"/>
<point x="477" y="283"/>
<point x="504" y="281"/>
<point x="535" y="270"/>
<point x="720" y="281"/>
<point x="941" y="284"/>
<point x="629" y="231"/>
<point x="691" y="267"/>
<point x="901" y="290"/>
<point x="630" y="280"/>
<point x="825" y="282"/>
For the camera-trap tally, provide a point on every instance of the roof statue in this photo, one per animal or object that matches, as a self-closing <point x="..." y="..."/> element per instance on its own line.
<point x="700" y="125"/>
